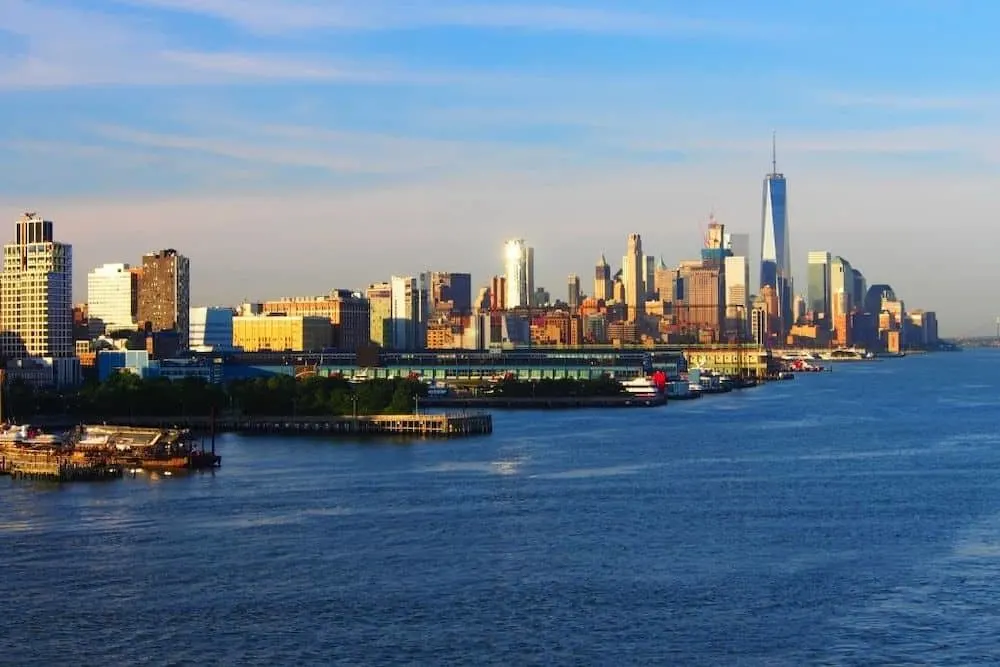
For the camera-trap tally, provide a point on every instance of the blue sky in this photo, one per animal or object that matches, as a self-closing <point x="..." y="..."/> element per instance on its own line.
<point x="292" y="146"/>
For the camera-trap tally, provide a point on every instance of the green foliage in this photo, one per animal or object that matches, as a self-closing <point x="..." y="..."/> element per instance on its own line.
<point x="125" y="394"/>
<point x="559" y="388"/>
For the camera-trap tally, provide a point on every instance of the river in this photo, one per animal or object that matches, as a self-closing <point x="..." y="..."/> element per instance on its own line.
<point x="844" y="518"/>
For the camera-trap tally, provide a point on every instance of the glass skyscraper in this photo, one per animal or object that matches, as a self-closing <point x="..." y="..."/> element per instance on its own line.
<point x="818" y="300"/>
<point x="775" y="247"/>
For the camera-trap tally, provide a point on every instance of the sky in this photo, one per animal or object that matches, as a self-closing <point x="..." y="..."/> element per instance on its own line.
<point x="289" y="147"/>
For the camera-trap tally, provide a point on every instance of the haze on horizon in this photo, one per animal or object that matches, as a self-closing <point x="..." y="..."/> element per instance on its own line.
<point x="292" y="146"/>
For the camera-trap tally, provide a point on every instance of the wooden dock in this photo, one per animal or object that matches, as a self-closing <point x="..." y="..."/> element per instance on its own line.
<point x="52" y="466"/>
<point x="421" y="425"/>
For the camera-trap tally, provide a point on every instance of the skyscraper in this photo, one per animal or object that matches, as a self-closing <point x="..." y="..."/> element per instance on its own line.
<point x="36" y="293"/>
<point x="738" y="244"/>
<point x="408" y="317"/>
<point x="165" y="293"/>
<point x="529" y="274"/>
<point x="379" y="297"/>
<point x="841" y="281"/>
<point x="112" y="298"/>
<point x="818" y="291"/>
<point x="516" y="273"/>
<point x="602" y="280"/>
<point x="573" y="295"/>
<point x="649" y="276"/>
<point x="737" y="276"/>
<point x="775" y="248"/>
<point x="633" y="277"/>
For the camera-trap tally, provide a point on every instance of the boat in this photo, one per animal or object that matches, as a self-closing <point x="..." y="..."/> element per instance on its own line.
<point x="846" y="354"/>
<point x="642" y="387"/>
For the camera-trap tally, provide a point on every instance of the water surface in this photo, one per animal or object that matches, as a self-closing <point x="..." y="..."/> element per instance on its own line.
<point x="843" y="518"/>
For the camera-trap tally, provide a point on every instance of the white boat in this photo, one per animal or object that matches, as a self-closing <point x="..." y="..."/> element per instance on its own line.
<point x="641" y="387"/>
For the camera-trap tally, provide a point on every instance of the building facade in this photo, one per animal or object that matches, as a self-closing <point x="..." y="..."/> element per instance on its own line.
<point x="775" y="250"/>
<point x="36" y="293"/>
<point x="408" y="316"/>
<point x="165" y="293"/>
<point x="450" y="293"/>
<point x="379" y="297"/>
<point x="602" y="280"/>
<point x="112" y="298"/>
<point x="279" y="333"/>
<point x="347" y="312"/>
<point x="211" y="329"/>
<point x="573" y="291"/>
<point x="737" y="277"/>
<point x="818" y="289"/>
<point x="516" y="274"/>
<point x="633" y="278"/>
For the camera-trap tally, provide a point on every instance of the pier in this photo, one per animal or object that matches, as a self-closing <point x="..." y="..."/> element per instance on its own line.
<point x="419" y="425"/>
<point x="544" y="403"/>
<point x="50" y="466"/>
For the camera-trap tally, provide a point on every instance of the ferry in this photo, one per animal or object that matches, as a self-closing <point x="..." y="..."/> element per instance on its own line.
<point x="846" y="354"/>
<point x="642" y="387"/>
<point x="25" y="435"/>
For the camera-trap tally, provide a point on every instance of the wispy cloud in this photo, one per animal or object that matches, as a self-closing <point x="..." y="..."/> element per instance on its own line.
<point x="339" y="152"/>
<point x="909" y="102"/>
<point x="271" y="16"/>
<point x="113" y="50"/>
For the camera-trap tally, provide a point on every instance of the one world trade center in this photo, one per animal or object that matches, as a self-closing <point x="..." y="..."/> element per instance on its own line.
<point x="775" y="250"/>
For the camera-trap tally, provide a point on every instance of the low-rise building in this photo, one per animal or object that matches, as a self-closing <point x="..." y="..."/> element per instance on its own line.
<point x="295" y="333"/>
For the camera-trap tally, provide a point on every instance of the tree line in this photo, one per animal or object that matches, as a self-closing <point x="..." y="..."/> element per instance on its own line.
<point x="128" y="395"/>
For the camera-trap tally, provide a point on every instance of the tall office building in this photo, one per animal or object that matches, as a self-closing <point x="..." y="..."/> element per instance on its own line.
<point x="841" y="281"/>
<point x="529" y="275"/>
<point x="818" y="291"/>
<point x="450" y="292"/>
<point x="775" y="248"/>
<point x="165" y="293"/>
<point x="860" y="287"/>
<point x="573" y="294"/>
<point x="649" y="276"/>
<point x="602" y="280"/>
<point x="738" y="244"/>
<point x="633" y="278"/>
<point x="516" y="273"/>
<point x="112" y="298"/>
<point x="36" y="293"/>
<point x="736" y="273"/>
<point x="379" y="297"/>
<point x="409" y="313"/>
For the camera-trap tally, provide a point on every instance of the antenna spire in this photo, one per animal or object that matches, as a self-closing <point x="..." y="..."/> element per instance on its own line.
<point x="774" y="152"/>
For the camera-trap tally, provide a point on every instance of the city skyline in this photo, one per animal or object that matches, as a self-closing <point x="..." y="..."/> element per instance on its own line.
<point x="355" y="122"/>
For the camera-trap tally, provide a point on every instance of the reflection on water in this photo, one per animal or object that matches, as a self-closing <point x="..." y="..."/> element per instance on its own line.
<point x="850" y="517"/>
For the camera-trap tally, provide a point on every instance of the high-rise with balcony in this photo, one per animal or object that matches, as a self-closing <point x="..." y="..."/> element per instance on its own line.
<point x="36" y="293"/>
<point x="775" y="247"/>
<point x="112" y="298"/>
<point x="818" y="291"/>
<point x="165" y="293"/>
